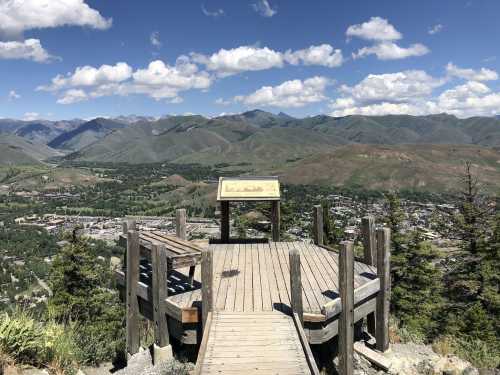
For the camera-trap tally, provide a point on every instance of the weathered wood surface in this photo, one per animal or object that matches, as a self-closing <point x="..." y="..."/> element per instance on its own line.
<point x="384" y="295"/>
<point x="224" y="221"/>
<point x="370" y="257"/>
<point x="275" y="220"/>
<point x="207" y="279"/>
<point x="132" y="303"/>
<point x="257" y="343"/>
<point x="346" y="334"/>
<point x="160" y="294"/>
<point x="296" y="285"/>
<point x="180" y="253"/>
<point x="180" y="223"/>
<point x="318" y="230"/>
<point x="374" y="357"/>
<point x="256" y="277"/>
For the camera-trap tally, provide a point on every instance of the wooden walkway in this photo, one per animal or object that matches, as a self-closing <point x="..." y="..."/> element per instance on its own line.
<point x="256" y="343"/>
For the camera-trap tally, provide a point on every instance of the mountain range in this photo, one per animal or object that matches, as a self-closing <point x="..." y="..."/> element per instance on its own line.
<point x="263" y="141"/>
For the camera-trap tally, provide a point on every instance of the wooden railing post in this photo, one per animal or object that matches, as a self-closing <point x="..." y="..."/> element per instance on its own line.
<point x="224" y="221"/>
<point x="180" y="223"/>
<point x="296" y="284"/>
<point x="207" y="279"/>
<point x="370" y="257"/>
<point x="318" y="225"/>
<point x="162" y="349"/>
<point x="132" y="307"/>
<point x="384" y="294"/>
<point x="346" y="331"/>
<point x="275" y="220"/>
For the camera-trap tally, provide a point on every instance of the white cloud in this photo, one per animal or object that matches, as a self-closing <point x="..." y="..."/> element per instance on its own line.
<point x="391" y="51"/>
<point x="221" y="101"/>
<point x="73" y="96"/>
<point x="377" y="28"/>
<point x="90" y="76"/>
<point x="154" y="39"/>
<point x="158" y="81"/>
<point x="289" y="94"/>
<point x="17" y="16"/>
<point x="31" y="116"/>
<point x="240" y="59"/>
<point x="435" y="29"/>
<point x="393" y="93"/>
<point x="264" y="8"/>
<point x="214" y="13"/>
<point x="13" y="95"/>
<point x="482" y="74"/>
<point x="228" y="62"/>
<point x="323" y="54"/>
<point x="30" y="49"/>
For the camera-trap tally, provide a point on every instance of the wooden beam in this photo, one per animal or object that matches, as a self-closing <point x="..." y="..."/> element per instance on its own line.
<point x="132" y="324"/>
<point x="374" y="357"/>
<point x="305" y="344"/>
<point x="160" y="294"/>
<point x="346" y="283"/>
<point x="296" y="285"/>
<point x="180" y="223"/>
<point x="275" y="220"/>
<point x="203" y="345"/>
<point x="384" y="295"/>
<point x="318" y="225"/>
<point x="207" y="279"/>
<point x="224" y="221"/>
<point x="370" y="257"/>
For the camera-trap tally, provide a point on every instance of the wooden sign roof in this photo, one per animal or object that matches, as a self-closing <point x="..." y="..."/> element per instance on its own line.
<point x="248" y="189"/>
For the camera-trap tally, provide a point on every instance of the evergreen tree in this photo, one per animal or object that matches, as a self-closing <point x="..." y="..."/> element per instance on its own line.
<point x="332" y="235"/>
<point x="416" y="296"/>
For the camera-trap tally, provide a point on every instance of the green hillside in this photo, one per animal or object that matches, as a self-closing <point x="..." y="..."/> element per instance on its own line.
<point x="15" y="150"/>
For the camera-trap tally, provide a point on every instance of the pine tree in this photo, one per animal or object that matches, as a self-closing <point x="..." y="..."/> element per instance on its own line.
<point x="416" y="296"/>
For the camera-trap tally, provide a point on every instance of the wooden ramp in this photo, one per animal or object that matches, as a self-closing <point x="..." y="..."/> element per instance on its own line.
<point x="254" y="343"/>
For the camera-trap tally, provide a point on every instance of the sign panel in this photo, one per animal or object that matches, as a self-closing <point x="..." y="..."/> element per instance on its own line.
<point x="248" y="188"/>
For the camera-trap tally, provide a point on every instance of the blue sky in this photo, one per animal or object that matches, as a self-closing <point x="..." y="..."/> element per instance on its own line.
<point x="74" y="58"/>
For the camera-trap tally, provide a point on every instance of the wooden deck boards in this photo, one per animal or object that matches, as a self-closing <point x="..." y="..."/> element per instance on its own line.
<point x="262" y="343"/>
<point x="255" y="277"/>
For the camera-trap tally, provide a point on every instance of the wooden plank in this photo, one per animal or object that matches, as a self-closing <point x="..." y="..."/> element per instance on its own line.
<point x="305" y="345"/>
<point x="184" y="243"/>
<point x="384" y="295"/>
<point x="160" y="294"/>
<point x="275" y="220"/>
<point x="207" y="278"/>
<point x="256" y="279"/>
<point x="232" y="279"/>
<point x="239" y="302"/>
<point x="180" y="223"/>
<point x="282" y="273"/>
<point x="315" y="292"/>
<point x="370" y="255"/>
<point x="346" y="332"/>
<point x="296" y="285"/>
<point x="375" y="358"/>
<point x="248" y="290"/>
<point x="318" y="225"/>
<point x="224" y="280"/>
<point x="267" y="302"/>
<point x="132" y="323"/>
<point x="203" y="345"/>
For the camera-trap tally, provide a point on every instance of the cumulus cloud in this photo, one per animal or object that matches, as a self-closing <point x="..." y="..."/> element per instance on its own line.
<point x="393" y="93"/>
<point x="72" y="96"/>
<point x="228" y="62"/>
<point x="221" y="101"/>
<point x="290" y="94"/>
<point x="154" y="39"/>
<point x="90" y="76"/>
<point x="323" y="54"/>
<point x="391" y="51"/>
<point x="263" y="8"/>
<point x="245" y="58"/>
<point x="29" y="49"/>
<point x="377" y="29"/>
<point x="482" y="74"/>
<point x="158" y="81"/>
<point x="435" y="29"/>
<point x="214" y="13"/>
<point x="13" y="95"/>
<point x="17" y="16"/>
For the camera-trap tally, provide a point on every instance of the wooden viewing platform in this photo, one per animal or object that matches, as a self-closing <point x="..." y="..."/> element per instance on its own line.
<point x="256" y="307"/>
